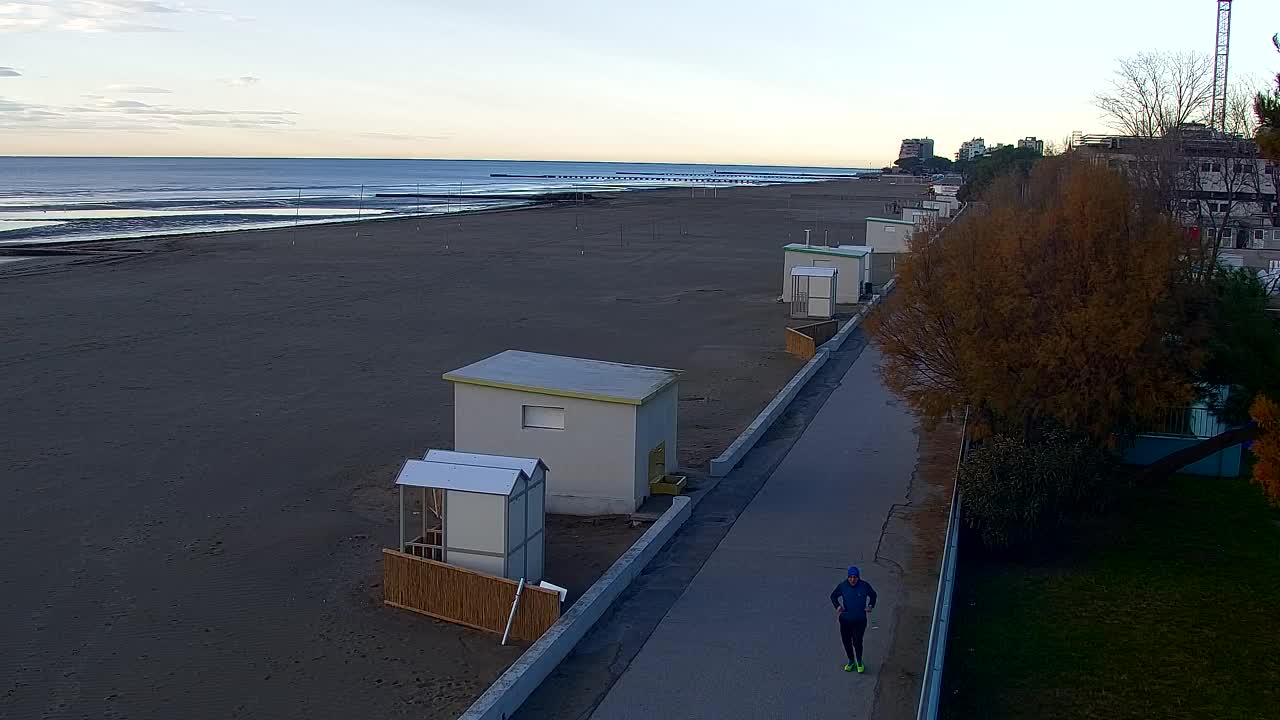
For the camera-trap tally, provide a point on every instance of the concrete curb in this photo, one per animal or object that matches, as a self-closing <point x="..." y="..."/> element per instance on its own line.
<point x="732" y="455"/>
<point x="510" y="690"/>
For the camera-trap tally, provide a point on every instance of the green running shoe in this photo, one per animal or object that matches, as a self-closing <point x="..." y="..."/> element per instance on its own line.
<point x="861" y="667"/>
<point x="848" y="668"/>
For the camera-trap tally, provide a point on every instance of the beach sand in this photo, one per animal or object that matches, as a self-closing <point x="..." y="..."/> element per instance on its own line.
<point x="199" y="433"/>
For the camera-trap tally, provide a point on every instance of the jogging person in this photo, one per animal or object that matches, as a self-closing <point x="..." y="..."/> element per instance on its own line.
<point x="853" y="599"/>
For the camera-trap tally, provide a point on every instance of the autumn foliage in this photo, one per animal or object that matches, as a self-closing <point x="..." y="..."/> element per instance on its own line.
<point x="1049" y="305"/>
<point x="1266" y="471"/>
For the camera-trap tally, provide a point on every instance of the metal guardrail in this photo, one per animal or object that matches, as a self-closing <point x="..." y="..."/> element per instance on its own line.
<point x="931" y="687"/>
<point x="1199" y="422"/>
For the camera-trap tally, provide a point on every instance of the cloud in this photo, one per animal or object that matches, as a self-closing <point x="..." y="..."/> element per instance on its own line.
<point x="98" y="15"/>
<point x="242" y="81"/>
<point x="135" y="89"/>
<point x="134" y="116"/>
<point x="6" y="71"/>
<point x="400" y="137"/>
<point x="124" y="104"/>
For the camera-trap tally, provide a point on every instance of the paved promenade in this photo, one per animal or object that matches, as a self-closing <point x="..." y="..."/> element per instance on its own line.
<point x="753" y="635"/>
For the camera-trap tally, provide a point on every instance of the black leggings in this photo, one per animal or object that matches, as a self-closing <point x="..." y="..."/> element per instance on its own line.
<point x="851" y="635"/>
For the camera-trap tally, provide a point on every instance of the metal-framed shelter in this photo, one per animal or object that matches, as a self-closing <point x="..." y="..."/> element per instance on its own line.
<point x="477" y="511"/>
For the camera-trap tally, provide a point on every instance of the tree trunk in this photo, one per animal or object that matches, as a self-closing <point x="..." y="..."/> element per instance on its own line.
<point x="1172" y="463"/>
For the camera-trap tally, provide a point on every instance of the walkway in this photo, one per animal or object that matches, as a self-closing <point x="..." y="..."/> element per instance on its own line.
<point x="754" y="635"/>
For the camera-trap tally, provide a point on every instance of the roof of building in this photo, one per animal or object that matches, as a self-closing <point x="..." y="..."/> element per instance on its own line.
<point x="895" y="221"/>
<point x="566" y="377"/>
<point x="804" y="270"/>
<point x="856" y="251"/>
<point x="526" y="465"/>
<point x="463" y="478"/>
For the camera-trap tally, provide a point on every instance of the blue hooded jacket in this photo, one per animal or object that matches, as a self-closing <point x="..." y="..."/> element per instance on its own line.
<point x="855" y="599"/>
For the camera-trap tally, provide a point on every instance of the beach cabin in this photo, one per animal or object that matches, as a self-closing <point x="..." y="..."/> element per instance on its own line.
<point x="608" y="429"/>
<point x="813" y="292"/>
<point x="889" y="235"/>
<point x="853" y="262"/>
<point x="941" y="206"/>
<point x="920" y="215"/>
<point x="480" y="512"/>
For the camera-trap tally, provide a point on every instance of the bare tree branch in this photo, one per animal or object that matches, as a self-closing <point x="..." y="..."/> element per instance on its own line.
<point x="1153" y="93"/>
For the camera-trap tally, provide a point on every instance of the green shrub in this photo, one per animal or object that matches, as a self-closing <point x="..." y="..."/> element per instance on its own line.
<point x="1016" y="493"/>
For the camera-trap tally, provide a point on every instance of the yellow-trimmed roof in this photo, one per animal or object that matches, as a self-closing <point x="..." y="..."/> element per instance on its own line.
<point x="566" y="377"/>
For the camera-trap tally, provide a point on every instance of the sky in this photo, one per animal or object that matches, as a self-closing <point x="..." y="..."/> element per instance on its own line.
<point x="836" y="83"/>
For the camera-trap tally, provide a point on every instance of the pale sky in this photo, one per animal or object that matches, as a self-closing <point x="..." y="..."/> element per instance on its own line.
<point x="836" y="83"/>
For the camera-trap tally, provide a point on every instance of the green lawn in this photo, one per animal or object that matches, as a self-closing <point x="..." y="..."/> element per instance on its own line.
<point x="1168" y="608"/>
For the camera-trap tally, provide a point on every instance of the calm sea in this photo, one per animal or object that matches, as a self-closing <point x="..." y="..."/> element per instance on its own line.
<point x="79" y="199"/>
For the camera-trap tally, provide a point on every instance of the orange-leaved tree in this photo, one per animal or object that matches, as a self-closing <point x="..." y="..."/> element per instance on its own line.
<point x="1266" y="471"/>
<point x="1052" y="305"/>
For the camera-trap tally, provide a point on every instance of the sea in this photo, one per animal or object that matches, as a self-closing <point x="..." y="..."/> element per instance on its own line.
<point x="70" y="199"/>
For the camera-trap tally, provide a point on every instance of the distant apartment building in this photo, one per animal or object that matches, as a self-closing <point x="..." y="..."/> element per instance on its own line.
<point x="971" y="149"/>
<point x="1223" y="187"/>
<point x="992" y="149"/>
<point x="1031" y="143"/>
<point x="921" y="148"/>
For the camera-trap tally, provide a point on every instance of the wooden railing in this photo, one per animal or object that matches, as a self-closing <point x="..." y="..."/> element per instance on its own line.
<point x="465" y="597"/>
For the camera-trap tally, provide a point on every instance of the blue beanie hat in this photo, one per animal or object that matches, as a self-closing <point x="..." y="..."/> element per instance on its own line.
<point x="853" y="571"/>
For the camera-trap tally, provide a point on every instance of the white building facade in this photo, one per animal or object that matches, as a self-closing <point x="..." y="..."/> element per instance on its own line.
<point x="971" y="149"/>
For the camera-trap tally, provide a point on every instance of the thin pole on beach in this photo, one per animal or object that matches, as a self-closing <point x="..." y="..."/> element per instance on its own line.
<point x="296" y="215"/>
<point x="360" y="210"/>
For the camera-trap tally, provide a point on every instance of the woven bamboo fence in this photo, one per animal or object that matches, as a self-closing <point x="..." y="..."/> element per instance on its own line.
<point x="465" y="597"/>
<point x="803" y="341"/>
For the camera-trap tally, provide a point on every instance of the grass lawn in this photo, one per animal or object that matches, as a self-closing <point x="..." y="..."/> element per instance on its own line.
<point x="1168" y="608"/>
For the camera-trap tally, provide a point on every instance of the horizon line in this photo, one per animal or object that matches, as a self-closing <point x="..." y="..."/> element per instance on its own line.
<point x="428" y="159"/>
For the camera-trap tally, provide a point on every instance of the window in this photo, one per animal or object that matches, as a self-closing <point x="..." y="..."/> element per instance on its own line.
<point x="546" y="418"/>
<point x="889" y="228"/>
<point x="1259" y="235"/>
<point x="1206" y="167"/>
<point x="1217" y="167"/>
<point x="1273" y="265"/>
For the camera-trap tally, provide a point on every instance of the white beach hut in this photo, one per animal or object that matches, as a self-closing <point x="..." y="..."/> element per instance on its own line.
<point x="608" y="429"/>
<point x="480" y="512"/>
<point x="920" y="215"/>
<point x="852" y="261"/>
<point x="889" y="235"/>
<point x="813" y="292"/>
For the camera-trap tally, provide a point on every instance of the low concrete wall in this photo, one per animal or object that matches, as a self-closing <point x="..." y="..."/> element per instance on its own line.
<point x="732" y="455"/>
<point x="1147" y="449"/>
<point x="510" y="690"/>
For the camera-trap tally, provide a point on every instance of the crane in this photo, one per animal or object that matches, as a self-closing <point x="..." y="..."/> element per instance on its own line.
<point x="1218" y="111"/>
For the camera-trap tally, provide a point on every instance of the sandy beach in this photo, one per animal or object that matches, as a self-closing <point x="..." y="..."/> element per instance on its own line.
<point x="199" y="433"/>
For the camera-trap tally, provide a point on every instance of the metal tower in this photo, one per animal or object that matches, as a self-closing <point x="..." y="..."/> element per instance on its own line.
<point x="1218" y="112"/>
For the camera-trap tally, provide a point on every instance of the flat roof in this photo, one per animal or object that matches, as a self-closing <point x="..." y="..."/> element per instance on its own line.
<point x="842" y="251"/>
<point x="526" y="465"/>
<point x="566" y="377"/>
<point x="453" y="476"/>
<point x="891" y="220"/>
<point x="813" y="271"/>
